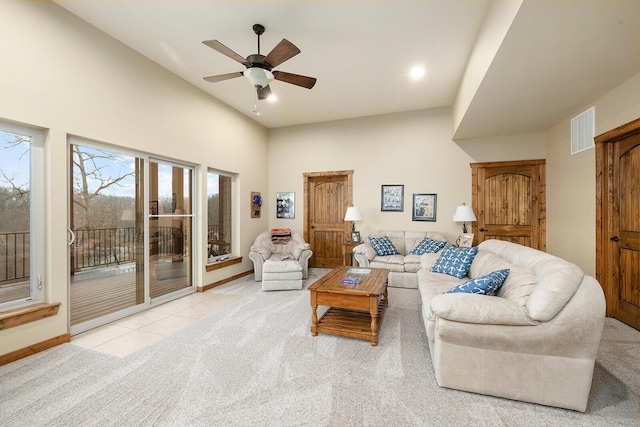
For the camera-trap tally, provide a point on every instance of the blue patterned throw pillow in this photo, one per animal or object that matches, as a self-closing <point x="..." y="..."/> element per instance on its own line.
<point x="383" y="246"/>
<point x="455" y="261"/>
<point x="428" y="246"/>
<point x="485" y="285"/>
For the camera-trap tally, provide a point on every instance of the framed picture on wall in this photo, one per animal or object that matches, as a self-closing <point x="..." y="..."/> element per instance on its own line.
<point x="285" y="205"/>
<point x="392" y="198"/>
<point x="424" y="207"/>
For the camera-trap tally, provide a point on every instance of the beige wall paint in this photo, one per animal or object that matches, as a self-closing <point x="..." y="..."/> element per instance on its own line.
<point x="495" y="25"/>
<point x="63" y="75"/>
<point x="413" y="149"/>
<point x="571" y="189"/>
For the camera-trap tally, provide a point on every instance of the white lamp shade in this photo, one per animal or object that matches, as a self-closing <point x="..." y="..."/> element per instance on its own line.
<point x="464" y="213"/>
<point x="353" y="214"/>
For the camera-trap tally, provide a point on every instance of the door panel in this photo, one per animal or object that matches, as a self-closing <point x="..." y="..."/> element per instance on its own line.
<point x="106" y="262"/>
<point x="626" y="226"/>
<point x="508" y="198"/>
<point x="618" y="221"/>
<point x="170" y="219"/>
<point x="327" y="196"/>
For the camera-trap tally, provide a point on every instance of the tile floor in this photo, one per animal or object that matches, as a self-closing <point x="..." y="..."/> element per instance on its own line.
<point x="125" y="336"/>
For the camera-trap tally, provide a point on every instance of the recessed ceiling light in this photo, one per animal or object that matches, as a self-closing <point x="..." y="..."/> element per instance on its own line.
<point x="416" y="72"/>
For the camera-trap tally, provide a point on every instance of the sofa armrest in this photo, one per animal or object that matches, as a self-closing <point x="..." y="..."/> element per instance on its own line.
<point x="303" y="259"/>
<point x="366" y="250"/>
<point x="262" y="251"/>
<point x="297" y="249"/>
<point x="258" y="261"/>
<point x="481" y="309"/>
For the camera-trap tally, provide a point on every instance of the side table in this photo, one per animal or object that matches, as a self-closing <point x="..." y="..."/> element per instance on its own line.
<point x="347" y="253"/>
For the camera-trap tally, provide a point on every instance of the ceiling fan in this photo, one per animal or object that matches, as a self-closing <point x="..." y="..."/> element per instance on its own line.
<point x="259" y="67"/>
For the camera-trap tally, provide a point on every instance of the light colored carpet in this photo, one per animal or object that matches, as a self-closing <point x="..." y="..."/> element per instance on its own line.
<point x="255" y="362"/>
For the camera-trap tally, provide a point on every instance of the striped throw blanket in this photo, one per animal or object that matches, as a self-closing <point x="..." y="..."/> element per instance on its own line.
<point x="280" y="235"/>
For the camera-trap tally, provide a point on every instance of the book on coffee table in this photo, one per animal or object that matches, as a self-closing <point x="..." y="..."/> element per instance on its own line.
<point x="349" y="280"/>
<point x="359" y="271"/>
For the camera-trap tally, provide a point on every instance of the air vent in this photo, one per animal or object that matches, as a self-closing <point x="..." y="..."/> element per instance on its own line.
<point x="583" y="130"/>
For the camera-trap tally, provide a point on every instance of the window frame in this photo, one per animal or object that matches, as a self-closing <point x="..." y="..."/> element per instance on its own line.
<point x="36" y="215"/>
<point x="232" y="207"/>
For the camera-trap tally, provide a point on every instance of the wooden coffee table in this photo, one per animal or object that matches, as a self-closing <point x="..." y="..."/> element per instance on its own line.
<point x="356" y="310"/>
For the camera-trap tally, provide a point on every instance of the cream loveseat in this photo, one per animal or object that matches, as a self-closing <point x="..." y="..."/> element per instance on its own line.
<point x="536" y="340"/>
<point x="403" y="267"/>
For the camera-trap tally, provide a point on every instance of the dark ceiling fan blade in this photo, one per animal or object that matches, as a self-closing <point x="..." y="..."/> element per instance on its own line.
<point x="264" y="92"/>
<point x="221" y="77"/>
<point x="216" y="45"/>
<point x="295" y="79"/>
<point x="284" y="51"/>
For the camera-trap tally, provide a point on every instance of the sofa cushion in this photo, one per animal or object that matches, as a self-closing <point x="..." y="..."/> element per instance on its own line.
<point x="558" y="279"/>
<point x="455" y="261"/>
<point x="280" y="257"/>
<point x="472" y="309"/>
<point x="383" y="246"/>
<point x="412" y="263"/>
<point x="391" y="263"/>
<point x="483" y="285"/>
<point x="427" y="245"/>
<point x="519" y="284"/>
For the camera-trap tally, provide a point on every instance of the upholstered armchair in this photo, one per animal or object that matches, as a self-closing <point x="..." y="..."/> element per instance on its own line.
<point x="280" y="259"/>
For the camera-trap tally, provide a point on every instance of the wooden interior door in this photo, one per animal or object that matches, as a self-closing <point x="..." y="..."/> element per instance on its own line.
<point x="618" y="221"/>
<point x="327" y="196"/>
<point x="509" y="201"/>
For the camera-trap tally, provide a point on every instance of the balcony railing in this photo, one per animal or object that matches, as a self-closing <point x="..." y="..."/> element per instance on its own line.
<point x="14" y="257"/>
<point x="93" y="248"/>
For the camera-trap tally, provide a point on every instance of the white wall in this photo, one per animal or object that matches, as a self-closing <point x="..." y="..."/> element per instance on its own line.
<point x="414" y="149"/>
<point x="62" y="75"/>
<point x="571" y="180"/>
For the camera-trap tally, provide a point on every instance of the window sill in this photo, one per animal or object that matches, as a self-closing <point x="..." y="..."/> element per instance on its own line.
<point x="221" y="264"/>
<point x="26" y="314"/>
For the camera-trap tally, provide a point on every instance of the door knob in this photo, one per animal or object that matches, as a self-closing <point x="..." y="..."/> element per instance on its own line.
<point x="615" y="239"/>
<point x="481" y="230"/>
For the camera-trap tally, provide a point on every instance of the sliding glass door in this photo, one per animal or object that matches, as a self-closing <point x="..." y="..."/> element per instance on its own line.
<point x="170" y="228"/>
<point x="131" y="225"/>
<point x="106" y="225"/>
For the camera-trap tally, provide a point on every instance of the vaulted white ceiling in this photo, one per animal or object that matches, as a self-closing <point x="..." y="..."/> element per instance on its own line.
<point x="555" y="57"/>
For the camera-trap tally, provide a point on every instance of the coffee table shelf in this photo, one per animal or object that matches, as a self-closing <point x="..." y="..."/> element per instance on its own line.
<point x="355" y="311"/>
<point x="350" y="323"/>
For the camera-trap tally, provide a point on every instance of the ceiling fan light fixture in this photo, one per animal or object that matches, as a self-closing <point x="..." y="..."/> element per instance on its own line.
<point x="259" y="77"/>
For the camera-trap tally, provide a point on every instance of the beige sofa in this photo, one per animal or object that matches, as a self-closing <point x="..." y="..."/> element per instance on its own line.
<point x="535" y="341"/>
<point x="402" y="268"/>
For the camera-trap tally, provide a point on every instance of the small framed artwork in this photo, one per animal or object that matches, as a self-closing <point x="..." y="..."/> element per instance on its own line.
<point x="465" y="240"/>
<point x="153" y="209"/>
<point x="285" y="205"/>
<point x="392" y="198"/>
<point x="355" y="237"/>
<point x="424" y="207"/>
<point x="256" y="204"/>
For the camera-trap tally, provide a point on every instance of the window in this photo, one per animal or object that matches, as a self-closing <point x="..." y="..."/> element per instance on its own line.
<point x="219" y="207"/>
<point x="21" y="215"/>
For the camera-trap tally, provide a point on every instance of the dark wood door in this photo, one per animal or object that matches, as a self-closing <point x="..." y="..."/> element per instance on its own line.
<point x="509" y="201"/>
<point x="618" y="232"/>
<point x="327" y="196"/>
